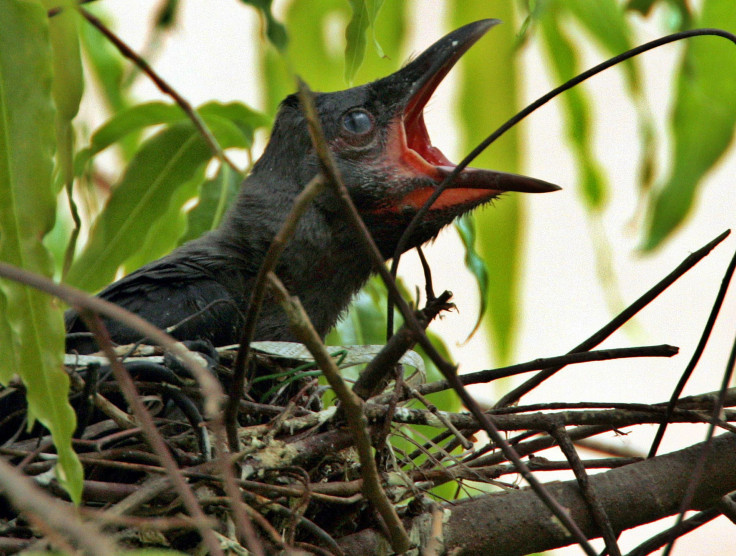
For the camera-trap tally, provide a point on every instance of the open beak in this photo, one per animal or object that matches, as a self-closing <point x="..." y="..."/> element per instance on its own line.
<point x="419" y="79"/>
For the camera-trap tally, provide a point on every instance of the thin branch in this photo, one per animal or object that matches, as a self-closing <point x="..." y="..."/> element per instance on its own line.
<point x="371" y="379"/>
<point x="618" y="321"/>
<point x="428" y="287"/>
<point x="559" y="361"/>
<point x="614" y="419"/>
<point x="727" y="506"/>
<point x="302" y="202"/>
<point x="589" y="494"/>
<point x="352" y="407"/>
<point x="464" y="442"/>
<point x="661" y="539"/>
<point x="163" y="86"/>
<point x="696" y="354"/>
<point x="662" y="350"/>
<point x="697" y="474"/>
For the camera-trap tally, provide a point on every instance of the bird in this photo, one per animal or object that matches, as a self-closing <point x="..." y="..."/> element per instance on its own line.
<point x="378" y="138"/>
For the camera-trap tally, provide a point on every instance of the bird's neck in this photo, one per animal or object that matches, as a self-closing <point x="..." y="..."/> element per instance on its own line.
<point x="321" y="263"/>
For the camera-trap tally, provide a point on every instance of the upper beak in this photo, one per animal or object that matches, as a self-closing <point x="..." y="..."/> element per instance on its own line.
<point x="414" y="84"/>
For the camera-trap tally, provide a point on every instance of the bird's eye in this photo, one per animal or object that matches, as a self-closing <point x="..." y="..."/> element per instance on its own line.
<point x="359" y="122"/>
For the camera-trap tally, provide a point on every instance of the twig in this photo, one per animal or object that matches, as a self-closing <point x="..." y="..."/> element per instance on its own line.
<point x="381" y="443"/>
<point x="663" y="350"/>
<point x="489" y="375"/>
<point x="301" y="204"/>
<point x="163" y="86"/>
<point x="617" y="418"/>
<point x="371" y="379"/>
<point x="244" y="526"/>
<point x="434" y="546"/>
<point x="589" y="495"/>
<point x="662" y="538"/>
<point x="618" y="321"/>
<point x="353" y="408"/>
<point x="696" y="355"/>
<point x="697" y="473"/>
<point x="727" y="506"/>
<point x="428" y="287"/>
<point x="464" y="442"/>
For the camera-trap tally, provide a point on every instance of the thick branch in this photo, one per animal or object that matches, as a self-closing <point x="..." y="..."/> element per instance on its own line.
<point x="631" y="496"/>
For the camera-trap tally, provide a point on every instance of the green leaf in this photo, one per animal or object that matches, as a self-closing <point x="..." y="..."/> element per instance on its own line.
<point x="364" y="16"/>
<point x="163" y="235"/>
<point x="242" y="116"/>
<point x="605" y="21"/>
<point x="275" y="31"/>
<point x="677" y="12"/>
<point x="130" y="120"/>
<point x="164" y="162"/>
<point x="488" y="96"/>
<point x="27" y="123"/>
<point x="215" y="195"/>
<point x="141" y="116"/>
<point x="465" y="227"/>
<point x="703" y="121"/>
<point x="68" y="84"/>
<point x="314" y="57"/>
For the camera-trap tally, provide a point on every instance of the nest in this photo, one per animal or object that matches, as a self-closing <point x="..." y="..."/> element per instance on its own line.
<point x="313" y="464"/>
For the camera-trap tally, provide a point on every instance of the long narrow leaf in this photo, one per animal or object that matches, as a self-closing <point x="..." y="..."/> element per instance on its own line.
<point x="318" y="59"/>
<point x="26" y="215"/>
<point x="163" y="235"/>
<point x="214" y="195"/>
<point x="275" y="31"/>
<point x="488" y="97"/>
<point x="141" y="116"/>
<point x="364" y="17"/>
<point x="68" y="83"/>
<point x="703" y="121"/>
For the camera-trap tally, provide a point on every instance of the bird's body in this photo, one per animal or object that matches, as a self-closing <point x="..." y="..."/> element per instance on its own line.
<point x="377" y="136"/>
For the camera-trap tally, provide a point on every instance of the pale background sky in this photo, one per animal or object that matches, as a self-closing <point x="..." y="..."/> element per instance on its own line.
<point x="212" y="55"/>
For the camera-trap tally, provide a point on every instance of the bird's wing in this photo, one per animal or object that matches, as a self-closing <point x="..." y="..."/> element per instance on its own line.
<point x="171" y="293"/>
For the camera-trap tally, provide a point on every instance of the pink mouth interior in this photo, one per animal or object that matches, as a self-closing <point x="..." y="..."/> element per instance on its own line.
<point x="424" y="158"/>
<point x="417" y="138"/>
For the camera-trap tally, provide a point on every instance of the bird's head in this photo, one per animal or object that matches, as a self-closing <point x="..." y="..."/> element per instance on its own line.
<point x="379" y="140"/>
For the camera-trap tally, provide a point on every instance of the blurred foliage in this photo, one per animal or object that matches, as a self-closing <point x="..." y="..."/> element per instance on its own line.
<point x="488" y="96"/>
<point x="164" y="166"/>
<point x="703" y="121"/>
